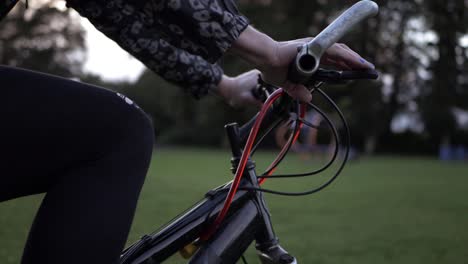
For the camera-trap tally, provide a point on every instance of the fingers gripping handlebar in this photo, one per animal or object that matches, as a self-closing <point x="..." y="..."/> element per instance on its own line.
<point x="308" y="59"/>
<point x="305" y="68"/>
<point x="281" y="110"/>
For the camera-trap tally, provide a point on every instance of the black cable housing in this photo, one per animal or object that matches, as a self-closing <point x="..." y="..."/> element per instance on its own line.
<point x="325" y="167"/>
<point x="337" y="173"/>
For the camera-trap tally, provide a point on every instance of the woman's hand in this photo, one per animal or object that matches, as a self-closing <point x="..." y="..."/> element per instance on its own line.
<point x="272" y="58"/>
<point x="275" y="71"/>
<point x="237" y="91"/>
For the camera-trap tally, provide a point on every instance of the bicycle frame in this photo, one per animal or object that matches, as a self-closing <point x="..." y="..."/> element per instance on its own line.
<point x="248" y="218"/>
<point x="185" y="229"/>
<point x="247" y="221"/>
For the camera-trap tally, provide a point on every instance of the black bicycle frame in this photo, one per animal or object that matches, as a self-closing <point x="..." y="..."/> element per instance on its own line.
<point x="248" y="219"/>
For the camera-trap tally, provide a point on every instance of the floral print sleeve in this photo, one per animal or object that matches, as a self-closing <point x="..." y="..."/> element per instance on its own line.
<point x="178" y="39"/>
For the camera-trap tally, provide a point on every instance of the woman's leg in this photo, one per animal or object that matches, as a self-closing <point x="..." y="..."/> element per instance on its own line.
<point x="87" y="148"/>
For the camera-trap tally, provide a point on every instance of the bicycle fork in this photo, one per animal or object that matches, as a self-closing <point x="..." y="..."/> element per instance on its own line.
<point x="267" y="243"/>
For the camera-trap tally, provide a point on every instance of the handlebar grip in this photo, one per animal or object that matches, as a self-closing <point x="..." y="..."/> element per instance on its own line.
<point x="334" y="76"/>
<point x="262" y="90"/>
<point x="360" y="75"/>
<point x="258" y="93"/>
<point x="308" y="59"/>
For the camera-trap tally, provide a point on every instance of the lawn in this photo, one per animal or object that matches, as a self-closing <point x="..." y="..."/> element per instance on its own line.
<point x="381" y="210"/>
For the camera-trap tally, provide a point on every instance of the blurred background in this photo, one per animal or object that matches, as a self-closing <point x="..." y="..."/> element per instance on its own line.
<point x="420" y="47"/>
<point x="402" y="200"/>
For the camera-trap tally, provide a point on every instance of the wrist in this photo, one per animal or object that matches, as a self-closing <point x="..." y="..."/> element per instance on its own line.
<point x="256" y="48"/>
<point x="224" y="86"/>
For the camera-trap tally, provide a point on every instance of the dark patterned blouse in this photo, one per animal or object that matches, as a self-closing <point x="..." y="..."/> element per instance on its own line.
<point x="178" y="39"/>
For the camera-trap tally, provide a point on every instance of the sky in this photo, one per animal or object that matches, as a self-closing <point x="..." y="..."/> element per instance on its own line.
<point x="107" y="59"/>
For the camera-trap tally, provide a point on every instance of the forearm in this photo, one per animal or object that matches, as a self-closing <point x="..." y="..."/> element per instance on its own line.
<point x="223" y="87"/>
<point x="255" y="47"/>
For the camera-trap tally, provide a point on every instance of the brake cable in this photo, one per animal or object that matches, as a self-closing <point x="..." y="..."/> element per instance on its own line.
<point x="337" y="173"/>
<point x="292" y="139"/>
<point x="242" y="163"/>
<point x="326" y="166"/>
<point x="248" y="148"/>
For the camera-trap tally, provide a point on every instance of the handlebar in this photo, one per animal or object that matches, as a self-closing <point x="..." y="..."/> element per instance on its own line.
<point x="278" y="105"/>
<point x="281" y="110"/>
<point x="308" y="59"/>
<point x="334" y="76"/>
<point x="305" y="68"/>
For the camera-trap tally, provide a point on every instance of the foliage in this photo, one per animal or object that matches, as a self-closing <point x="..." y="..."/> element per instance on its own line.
<point x="42" y="38"/>
<point x="415" y="44"/>
<point x="178" y="118"/>
<point x="398" y="41"/>
<point x="448" y="20"/>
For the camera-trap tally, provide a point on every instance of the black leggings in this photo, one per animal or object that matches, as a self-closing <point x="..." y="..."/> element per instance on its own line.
<point x="87" y="148"/>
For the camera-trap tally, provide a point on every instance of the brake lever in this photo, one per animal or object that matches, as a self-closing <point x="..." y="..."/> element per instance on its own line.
<point x="262" y="90"/>
<point x="326" y="76"/>
<point x="342" y="77"/>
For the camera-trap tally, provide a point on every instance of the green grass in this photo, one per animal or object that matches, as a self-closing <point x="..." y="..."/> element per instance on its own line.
<point x="382" y="210"/>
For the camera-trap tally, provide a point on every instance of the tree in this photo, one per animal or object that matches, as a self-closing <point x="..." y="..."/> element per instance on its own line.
<point x="42" y="38"/>
<point x="447" y="19"/>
